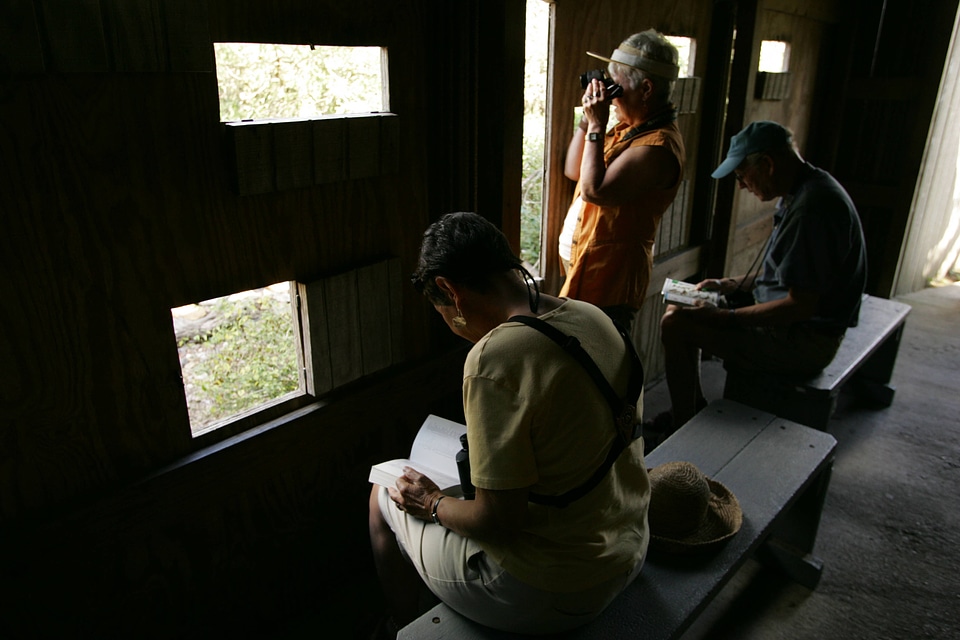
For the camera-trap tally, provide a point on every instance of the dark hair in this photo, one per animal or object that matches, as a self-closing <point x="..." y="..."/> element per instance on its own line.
<point x="467" y="249"/>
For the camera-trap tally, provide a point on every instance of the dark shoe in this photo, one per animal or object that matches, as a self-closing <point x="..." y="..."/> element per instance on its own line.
<point x="386" y="629"/>
<point x="657" y="430"/>
<point x="663" y="422"/>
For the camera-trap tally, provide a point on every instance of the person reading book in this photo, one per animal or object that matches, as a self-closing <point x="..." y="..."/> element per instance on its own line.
<point x="539" y="427"/>
<point x="805" y="293"/>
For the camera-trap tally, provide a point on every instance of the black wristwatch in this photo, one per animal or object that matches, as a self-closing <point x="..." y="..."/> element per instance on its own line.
<point x="594" y="137"/>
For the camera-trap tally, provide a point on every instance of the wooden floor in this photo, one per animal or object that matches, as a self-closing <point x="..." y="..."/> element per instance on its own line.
<point x="890" y="533"/>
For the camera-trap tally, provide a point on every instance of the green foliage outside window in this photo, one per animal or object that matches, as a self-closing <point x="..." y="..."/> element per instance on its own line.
<point x="531" y="196"/>
<point x="236" y="353"/>
<point x="261" y="81"/>
<point x="534" y="125"/>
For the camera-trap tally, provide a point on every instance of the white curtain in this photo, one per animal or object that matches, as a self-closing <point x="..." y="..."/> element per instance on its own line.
<point x="931" y="251"/>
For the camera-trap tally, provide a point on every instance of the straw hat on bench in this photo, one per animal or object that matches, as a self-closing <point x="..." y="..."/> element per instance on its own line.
<point x="689" y="512"/>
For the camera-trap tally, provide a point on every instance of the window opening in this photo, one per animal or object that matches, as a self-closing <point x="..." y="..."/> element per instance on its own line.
<point x="774" y="56"/>
<point x="534" y="130"/>
<point x="687" y="48"/>
<point x="237" y="353"/>
<point x="259" y="81"/>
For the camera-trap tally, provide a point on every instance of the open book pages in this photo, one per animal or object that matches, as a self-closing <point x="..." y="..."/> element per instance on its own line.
<point x="433" y="454"/>
<point x="684" y="293"/>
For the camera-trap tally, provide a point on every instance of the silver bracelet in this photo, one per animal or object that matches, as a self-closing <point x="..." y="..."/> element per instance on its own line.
<point x="433" y="512"/>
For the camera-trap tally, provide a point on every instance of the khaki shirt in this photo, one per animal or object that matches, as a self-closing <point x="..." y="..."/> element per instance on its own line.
<point x="536" y="419"/>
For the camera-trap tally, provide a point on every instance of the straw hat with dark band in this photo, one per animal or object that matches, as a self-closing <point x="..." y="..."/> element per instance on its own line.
<point x="689" y="512"/>
<point x="633" y="57"/>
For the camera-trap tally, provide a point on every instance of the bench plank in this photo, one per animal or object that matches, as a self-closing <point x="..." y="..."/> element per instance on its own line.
<point x="879" y="320"/>
<point x="768" y="462"/>
<point x="866" y="358"/>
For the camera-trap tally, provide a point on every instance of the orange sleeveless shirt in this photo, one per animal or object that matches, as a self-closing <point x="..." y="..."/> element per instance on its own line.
<point x="612" y="252"/>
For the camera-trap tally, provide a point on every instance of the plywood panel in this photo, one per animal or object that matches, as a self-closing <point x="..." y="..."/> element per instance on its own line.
<point x="316" y="346"/>
<point x="343" y="322"/>
<point x="330" y="149"/>
<point x="681" y="213"/>
<point x="136" y="34"/>
<point x="363" y="147"/>
<point x="253" y="157"/>
<point x="74" y="35"/>
<point x="122" y="206"/>
<point x="20" y="46"/>
<point x="397" y="281"/>
<point x="389" y="144"/>
<point x="190" y="47"/>
<point x="119" y="204"/>
<point x="794" y="109"/>
<point x="376" y="316"/>
<point x="293" y="154"/>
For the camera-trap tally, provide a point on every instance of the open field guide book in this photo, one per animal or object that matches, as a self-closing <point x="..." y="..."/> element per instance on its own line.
<point x="433" y="454"/>
<point x="684" y="293"/>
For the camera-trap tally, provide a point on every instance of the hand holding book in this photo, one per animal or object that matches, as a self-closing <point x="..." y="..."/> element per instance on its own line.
<point x="726" y="293"/>
<point x="434" y="454"/>
<point x="686" y="294"/>
<point x="415" y="494"/>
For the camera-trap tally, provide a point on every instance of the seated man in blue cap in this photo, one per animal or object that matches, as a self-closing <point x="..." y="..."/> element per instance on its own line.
<point x="801" y="298"/>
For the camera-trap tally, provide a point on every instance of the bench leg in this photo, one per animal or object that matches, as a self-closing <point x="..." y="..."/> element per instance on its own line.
<point x="874" y="394"/>
<point x="872" y="381"/>
<point x="804" y="569"/>
<point x="781" y="399"/>
<point x="790" y="545"/>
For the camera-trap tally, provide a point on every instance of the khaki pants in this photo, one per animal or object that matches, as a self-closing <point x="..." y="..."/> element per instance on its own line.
<point x="467" y="580"/>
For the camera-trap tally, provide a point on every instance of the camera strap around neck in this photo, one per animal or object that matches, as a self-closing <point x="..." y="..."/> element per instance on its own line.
<point x="659" y="120"/>
<point x="624" y="412"/>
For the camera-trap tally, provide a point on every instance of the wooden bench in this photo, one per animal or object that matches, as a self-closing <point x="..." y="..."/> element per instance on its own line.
<point x="779" y="471"/>
<point x="865" y="360"/>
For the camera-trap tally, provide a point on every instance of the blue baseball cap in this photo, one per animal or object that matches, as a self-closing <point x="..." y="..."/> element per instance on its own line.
<point x="756" y="136"/>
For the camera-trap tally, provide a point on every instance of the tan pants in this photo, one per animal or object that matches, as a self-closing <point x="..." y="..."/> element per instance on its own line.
<point x="467" y="580"/>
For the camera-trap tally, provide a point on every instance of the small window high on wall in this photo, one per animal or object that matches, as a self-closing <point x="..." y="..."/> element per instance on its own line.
<point x="260" y="81"/>
<point x="773" y="71"/>
<point x="774" y="56"/>
<point x="687" y="50"/>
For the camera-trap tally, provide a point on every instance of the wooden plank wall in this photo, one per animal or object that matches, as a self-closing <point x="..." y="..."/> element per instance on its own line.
<point x="119" y="201"/>
<point x="879" y="82"/>
<point x="892" y="85"/>
<point x="126" y="208"/>
<point x="807" y="30"/>
<point x="819" y="34"/>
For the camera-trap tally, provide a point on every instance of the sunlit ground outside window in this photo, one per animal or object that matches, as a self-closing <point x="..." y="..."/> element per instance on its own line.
<point x="237" y="353"/>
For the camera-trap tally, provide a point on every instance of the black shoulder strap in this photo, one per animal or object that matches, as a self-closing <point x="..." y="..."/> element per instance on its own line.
<point x="624" y="412"/>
